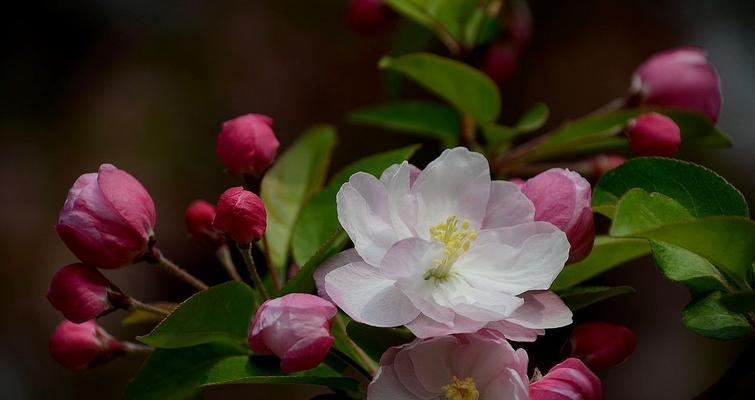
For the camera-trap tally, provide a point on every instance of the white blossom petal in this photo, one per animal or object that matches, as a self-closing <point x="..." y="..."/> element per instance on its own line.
<point x="507" y="206"/>
<point x="337" y="261"/>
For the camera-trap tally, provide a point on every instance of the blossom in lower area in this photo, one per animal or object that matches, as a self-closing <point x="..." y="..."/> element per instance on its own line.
<point x="602" y="345"/>
<point x="199" y="217"/>
<point x="445" y="250"/>
<point x="82" y="293"/>
<point x="296" y="328"/>
<point x="81" y="346"/>
<point x="455" y="367"/>
<point x="241" y="215"/>
<point x="653" y="134"/>
<point x="569" y="380"/>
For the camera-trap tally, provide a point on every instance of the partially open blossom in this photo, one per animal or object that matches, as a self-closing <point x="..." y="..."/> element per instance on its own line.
<point x="501" y="61"/>
<point x="108" y="218"/>
<point x="199" y="217"/>
<point x="569" y="380"/>
<point x="603" y="163"/>
<point x="247" y="144"/>
<point x="82" y="293"/>
<point x="296" y="328"/>
<point x="679" y="78"/>
<point x="241" y="215"/>
<point x="602" y="345"/>
<point x="654" y="134"/>
<point x="563" y="198"/>
<point x="456" y="367"/>
<point x="81" y="346"/>
<point x="445" y="250"/>
<point x="367" y="16"/>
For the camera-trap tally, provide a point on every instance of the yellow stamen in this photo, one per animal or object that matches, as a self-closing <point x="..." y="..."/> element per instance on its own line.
<point x="459" y="389"/>
<point x="455" y="242"/>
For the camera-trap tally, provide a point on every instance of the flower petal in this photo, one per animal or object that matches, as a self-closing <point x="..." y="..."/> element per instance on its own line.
<point x="402" y="204"/>
<point x="337" y="261"/>
<point x="426" y="327"/>
<point x="507" y="206"/>
<point x="542" y="310"/>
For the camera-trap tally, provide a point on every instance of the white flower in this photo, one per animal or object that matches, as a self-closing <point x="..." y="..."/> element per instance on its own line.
<point x="445" y="250"/>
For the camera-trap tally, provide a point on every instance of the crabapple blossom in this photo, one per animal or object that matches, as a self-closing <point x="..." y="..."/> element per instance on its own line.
<point x="247" y="144"/>
<point x="241" y="215"/>
<point x="454" y="367"/>
<point x="296" y="328"/>
<point x="569" y="380"/>
<point x="199" y="217"/>
<point x="501" y="61"/>
<point x="81" y="346"/>
<point x="602" y="345"/>
<point x="444" y="250"/>
<point x="108" y="218"/>
<point x="654" y="134"/>
<point x="82" y="293"/>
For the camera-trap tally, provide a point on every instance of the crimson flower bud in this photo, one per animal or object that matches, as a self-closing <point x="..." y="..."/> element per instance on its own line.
<point x="569" y="380"/>
<point x="108" y="218"/>
<point x="654" y="134"/>
<point x="82" y="346"/>
<point x="563" y="198"/>
<point x="602" y="345"/>
<point x="367" y="16"/>
<point x="680" y="78"/>
<point x="199" y="217"/>
<point x="501" y="61"/>
<point x="82" y="293"/>
<point x="241" y="215"/>
<point x="247" y="144"/>
<point x="296" y="328"/>
<point x="603" y="163"/>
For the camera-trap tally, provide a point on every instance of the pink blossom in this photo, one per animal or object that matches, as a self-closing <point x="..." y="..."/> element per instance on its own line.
<point x="241" y="215"/>
<point x="563" y="198"/>
<point x="569" y="380"/>
<point x="501" y="61"/>
<point x="602" y="345"/>
<point x="464" y="367"/>
<point x="247" y="144"/>
<point x="81" y="346"/>
<point x="82" y="293"/>
<point x="296" y="328"/>
<point x="654" y="134"/>
<point x="199" y="217"/>
<point x="108" y="218"/>
<point x="680" y="77"/>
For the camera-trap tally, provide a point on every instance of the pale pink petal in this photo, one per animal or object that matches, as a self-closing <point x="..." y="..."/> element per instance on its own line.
<point x="402" y="204"/>
<point x="433" y="361"/>
<point x="473" y="303"/>
<point x="507" y="206"/>
<point x="514" y="332"/>
<point x="542" y="310"/>
<point x="387" y="386"/>
<point x="337" y="261"/>
<point x="426" y="327"/>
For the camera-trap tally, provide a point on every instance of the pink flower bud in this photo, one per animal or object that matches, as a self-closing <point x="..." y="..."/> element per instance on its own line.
<point x="367" y="16"/>
<point x="679" y="78"/>
<point x="601" y="345"/>
<point x="501" y="61"/>
<point x="108" y="218"/>
<point x="569" y="380"/>
<point x="199" y="217"/>
<point x="81" y="346"/>
<point x="247" y="144"/>
<point x="240" y="215"/>
<point x="654" y="134"/>
<point x="563" y="197"/>
<point x="296" y="328"/>
<point x="603" y="163"/>
<point x="82" y="293"/>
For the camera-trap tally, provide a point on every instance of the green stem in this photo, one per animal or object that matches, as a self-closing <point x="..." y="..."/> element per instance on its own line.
<point x="138" y="305"/>
<point x="368" y="363"/>
<point x="270" y="266"/>
<point x="246" y="252"/>
<point x="223" y="254"/>
<point x="157" y="257"/>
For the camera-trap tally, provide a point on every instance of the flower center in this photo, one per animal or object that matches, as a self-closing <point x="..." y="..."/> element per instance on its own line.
<point x="459" y="389"/>
<point x="455" y="241"/>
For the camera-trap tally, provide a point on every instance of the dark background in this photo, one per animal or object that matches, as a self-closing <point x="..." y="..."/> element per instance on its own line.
<point x="145" y="84"/>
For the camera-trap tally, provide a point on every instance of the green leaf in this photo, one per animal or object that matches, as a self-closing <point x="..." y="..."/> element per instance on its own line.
<point x="453" y="15"/>
<point x="707" y="317"/>
<point x="727" y="242"/>
<point x="178" y="374"/>
<point x="580" y="297"/>
<point x="219" y="314"/>
<point x="700" y="190"/>
<point x="409" y="38"/>
<point x="681" y="265"/>
<point x="139" y="317"/>
<point x="606" y="254"/>
<point x="419" y="117"/>
<point x="462" y="86"/>
<point x="414" y="10"/>
<point x="534" y="118"/>
<point x="697" y="129"/>
<point x="303" y="282"/>
<point x="296" y="175"/>
<point x="375" y="341"/>
<point x="739" y="302"/>
<point x="318" y="220"/>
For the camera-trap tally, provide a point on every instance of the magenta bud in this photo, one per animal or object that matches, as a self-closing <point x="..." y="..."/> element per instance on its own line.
<point x="296" y="328"/>
<point x="241" y="215"/>
<point x="108" y="218"/>
<point x="82" y="346"/>
<point x="247" y="144"/>
<point x="569" y="380"/>
<point x="367" y="16"/>
<point x="82" y="293"/>
<point x="654" y="134"/>
<point x="563" y="197"/>
<point x="602" y="345"/>
<point x="679" y="78"/>
<point x="603" y="163"/>
<point x="501" y="61"/>
<point x="199" y="217"/>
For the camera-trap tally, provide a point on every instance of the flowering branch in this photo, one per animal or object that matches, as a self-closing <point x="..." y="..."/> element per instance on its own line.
<point x="246" y="252"/>
<point x="156" y="257"/>
<point x="223" y="253"/>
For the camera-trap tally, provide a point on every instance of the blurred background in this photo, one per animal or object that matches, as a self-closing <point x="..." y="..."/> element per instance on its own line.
<point x="145" y="85"/>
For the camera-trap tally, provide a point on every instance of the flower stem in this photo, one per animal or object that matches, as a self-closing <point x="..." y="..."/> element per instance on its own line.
<point x="135" y="348"/>
<point x="223" y="254"/>
<point x="270" y="266"/>
<point x="246" y="252"/>
<point x="169" y="266"/>
<point x="138" y="305"/>
<point x="367" y="362"/>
